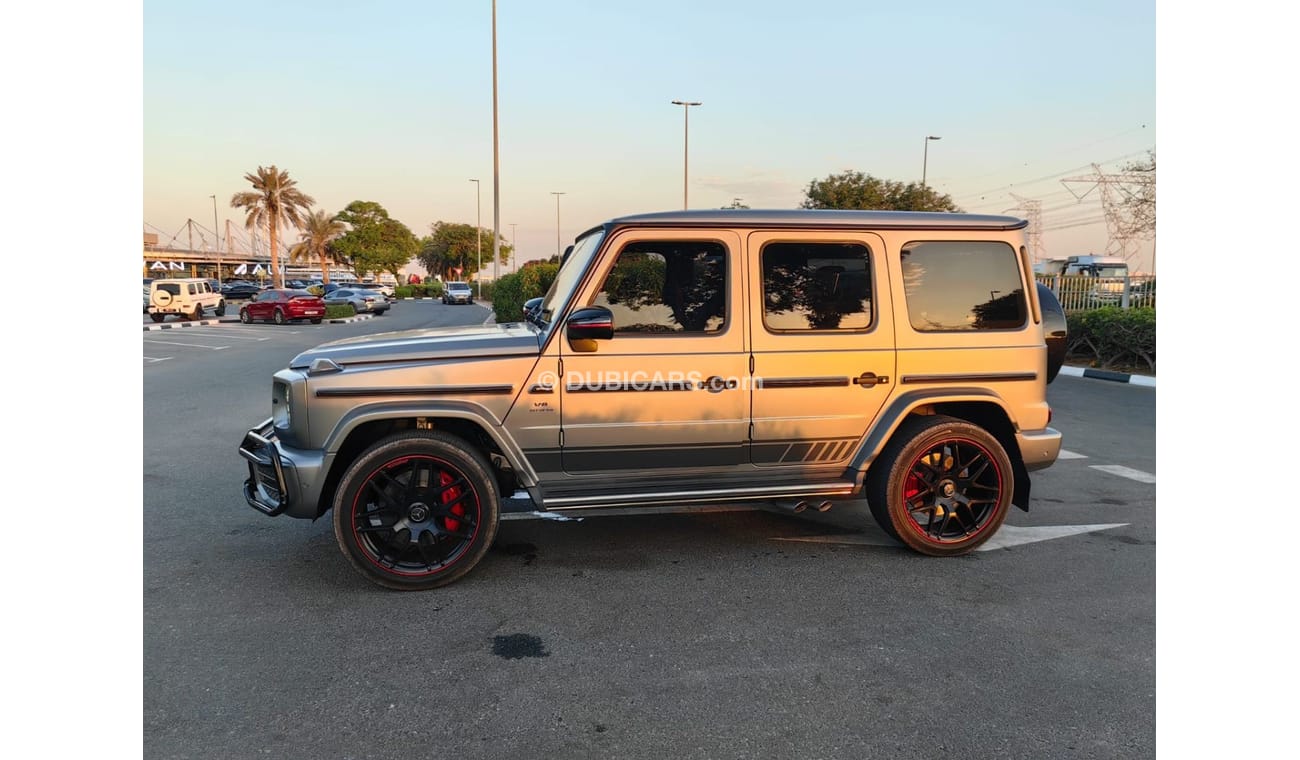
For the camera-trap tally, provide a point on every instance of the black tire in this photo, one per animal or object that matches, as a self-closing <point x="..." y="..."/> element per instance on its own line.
<point x="353" y="308"/>
<point x="279" y="317"/>
<point x="410" y="537"/>
<point x="198" y="312"/>
<point x="157" y="317"/>
<point x="221" y="308"/>
<point x="315" y="320"/>
<point x="939" y="467"/>
<point x="245" y="317"/>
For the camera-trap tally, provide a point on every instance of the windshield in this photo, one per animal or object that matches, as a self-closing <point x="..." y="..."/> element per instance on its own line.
<point x="567" y="278"/>
<point x="1111" y="271"/>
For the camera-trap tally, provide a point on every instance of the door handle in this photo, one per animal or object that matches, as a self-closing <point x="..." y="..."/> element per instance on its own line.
<point x="869" y="379"/>
<point x="716" y="384"/>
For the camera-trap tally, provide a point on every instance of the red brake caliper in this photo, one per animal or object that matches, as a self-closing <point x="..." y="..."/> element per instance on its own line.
<point x="911" y="488"/>
<point x="448" y="496"/>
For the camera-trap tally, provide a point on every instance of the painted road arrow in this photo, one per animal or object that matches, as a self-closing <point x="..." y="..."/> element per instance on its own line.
<point x="1007" y="536"/>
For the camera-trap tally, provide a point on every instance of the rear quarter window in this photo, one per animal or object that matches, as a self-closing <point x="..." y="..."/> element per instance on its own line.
<point x="963" y="286"/>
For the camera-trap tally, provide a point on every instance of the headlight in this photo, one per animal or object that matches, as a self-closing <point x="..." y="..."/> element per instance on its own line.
<point x="280" y="402"/>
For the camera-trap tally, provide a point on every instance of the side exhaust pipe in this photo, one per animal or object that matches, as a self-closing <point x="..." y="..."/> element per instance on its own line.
<point x="823" y="506"/>
<point x="793" y="507"/>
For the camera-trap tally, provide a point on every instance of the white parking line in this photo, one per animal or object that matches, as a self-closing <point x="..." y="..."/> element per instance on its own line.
<point x="234" y="336"/>
<point x="151" y="359"/>
<point x="191" y="345"/>
<point x="1125" y="472"/>
<point x="1071" y="455"/>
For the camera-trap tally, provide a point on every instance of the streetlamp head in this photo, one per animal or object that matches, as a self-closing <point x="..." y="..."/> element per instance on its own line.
<point x="932" y="137"/>
<point x="686" y="103"/>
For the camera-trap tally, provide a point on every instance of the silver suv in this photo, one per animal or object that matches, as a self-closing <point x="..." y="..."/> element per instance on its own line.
<point x="785" y="359"/>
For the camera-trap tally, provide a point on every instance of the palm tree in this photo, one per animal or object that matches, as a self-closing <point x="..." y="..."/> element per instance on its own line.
<point x="274" y="201"/>
<point x="319" y="229"/>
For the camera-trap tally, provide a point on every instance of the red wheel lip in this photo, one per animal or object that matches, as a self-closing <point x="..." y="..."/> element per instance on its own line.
<point x="997" y="469"/>
<point x="478" y="522"/>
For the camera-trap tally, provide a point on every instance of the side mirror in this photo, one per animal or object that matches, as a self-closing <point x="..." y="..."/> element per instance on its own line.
<point x="590" y="323"/>
<point x="532" y="305"/>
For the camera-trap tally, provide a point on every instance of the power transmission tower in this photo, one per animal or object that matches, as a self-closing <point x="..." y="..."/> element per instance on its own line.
<point x="1033" y="210"/>
<point x="1123" y="232"/>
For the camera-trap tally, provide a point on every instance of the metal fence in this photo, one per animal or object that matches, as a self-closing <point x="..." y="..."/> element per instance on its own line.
<point x="1080" y="293"/>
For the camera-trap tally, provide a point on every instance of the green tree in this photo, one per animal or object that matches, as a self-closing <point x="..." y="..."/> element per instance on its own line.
<point x="737" y="203"/>
<point x="856" y="190"/>
<point x="320" y="229"/>
<point x="375" y="241"/>
<point x="274" y="202"/>
<point x="452" y="246"/>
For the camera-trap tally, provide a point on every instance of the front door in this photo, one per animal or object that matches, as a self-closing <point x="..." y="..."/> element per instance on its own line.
<point x="669" y="392"/>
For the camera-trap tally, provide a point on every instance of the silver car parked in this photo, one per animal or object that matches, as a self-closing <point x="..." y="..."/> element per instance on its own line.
<point x="361" y="301"/>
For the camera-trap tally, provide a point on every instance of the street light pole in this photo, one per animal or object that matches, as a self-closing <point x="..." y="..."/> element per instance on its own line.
<point x="925" y="161"/>
<point x="686" y="147"/>
<point x="514" y="246"/>
<point x="216" y="232"/>
<point x="478" y="233"/>
<point x="557" y="221"/>
<point x="496" y="162"/>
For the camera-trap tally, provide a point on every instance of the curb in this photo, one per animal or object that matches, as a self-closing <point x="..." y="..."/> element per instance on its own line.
<point x="178" y="325"/>
<point x="346" y="320"/>
<point x="1102" y="374"/>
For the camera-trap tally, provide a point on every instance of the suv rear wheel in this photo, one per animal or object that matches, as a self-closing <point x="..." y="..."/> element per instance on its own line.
<point x="416" y="510"/>
<point x="942" y="486"/>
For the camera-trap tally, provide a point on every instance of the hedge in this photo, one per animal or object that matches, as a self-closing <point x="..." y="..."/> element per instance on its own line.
<point x="1113" y="337"/>
<point x="511" y="291"/>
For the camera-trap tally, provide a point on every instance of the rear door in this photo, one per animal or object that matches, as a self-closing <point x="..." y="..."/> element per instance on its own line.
<point x="823" y="343"/>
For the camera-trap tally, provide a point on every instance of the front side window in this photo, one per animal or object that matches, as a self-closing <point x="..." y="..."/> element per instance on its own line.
<point x="816" y="286"/>
<point x="677" y="286"/>
<point x="963" y="286"/>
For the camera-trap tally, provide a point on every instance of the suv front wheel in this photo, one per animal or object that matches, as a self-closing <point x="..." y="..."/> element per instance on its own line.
<point x="416" y="510"/>
<point x="942" y="486"/>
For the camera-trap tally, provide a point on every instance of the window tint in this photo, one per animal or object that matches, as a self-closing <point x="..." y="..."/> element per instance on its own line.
<point x="953" y="286"/>
<point x="170" y="287"/>
<point x="816" y="286"/>
<point x="194" y="289"/>
<point x="668" y="287"/>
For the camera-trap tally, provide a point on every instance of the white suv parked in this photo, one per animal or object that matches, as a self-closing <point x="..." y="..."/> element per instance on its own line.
<point x="186" y="298"/>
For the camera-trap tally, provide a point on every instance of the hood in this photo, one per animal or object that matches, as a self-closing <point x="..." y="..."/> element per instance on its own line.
<point x="439" y="343"/>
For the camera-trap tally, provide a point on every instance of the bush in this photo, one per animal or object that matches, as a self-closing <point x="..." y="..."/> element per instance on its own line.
<point x="1112" y="337"/>
<point x="512" y="290"/>
<point x="403" y="291"/>
<point x="338" y="312"/>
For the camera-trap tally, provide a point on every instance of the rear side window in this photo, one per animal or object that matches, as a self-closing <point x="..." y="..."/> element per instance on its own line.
<point x="677" y="286"/>
<point x="816" y="286"/>
<point x="963" y="287"/>
<point x="170" y="287"/>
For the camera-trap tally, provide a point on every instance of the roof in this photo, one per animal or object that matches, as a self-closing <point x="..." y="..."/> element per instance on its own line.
<point x="823" y="218"/>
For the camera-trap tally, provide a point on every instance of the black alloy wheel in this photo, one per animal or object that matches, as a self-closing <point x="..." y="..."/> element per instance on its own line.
<point x="942" y="486"/>
<point x="416" y="511"/>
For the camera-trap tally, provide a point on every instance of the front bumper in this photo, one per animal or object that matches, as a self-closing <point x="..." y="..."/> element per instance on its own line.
<point x="280" y="479"/>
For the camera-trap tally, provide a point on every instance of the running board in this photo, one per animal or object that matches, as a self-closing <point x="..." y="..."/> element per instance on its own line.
<point x="815" y="494"/>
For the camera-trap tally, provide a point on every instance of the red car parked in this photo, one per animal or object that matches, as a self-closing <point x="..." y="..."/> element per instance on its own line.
<point x="282" y="306"/>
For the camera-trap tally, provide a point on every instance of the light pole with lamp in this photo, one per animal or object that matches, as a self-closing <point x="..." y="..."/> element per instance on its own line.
<point x="686" y="147"/>
<point x="557" y="221"/>
<point x="478" y="233"/>
<point x="925" y="161"/>
<point x="216" y="232"/>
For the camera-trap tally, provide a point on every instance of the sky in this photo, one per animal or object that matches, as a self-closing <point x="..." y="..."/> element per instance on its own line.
<point x="120" y="113"/>
<point x="392" y="102"/>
